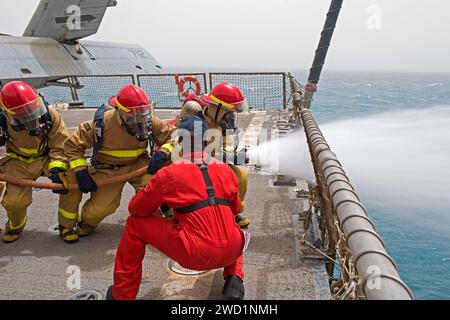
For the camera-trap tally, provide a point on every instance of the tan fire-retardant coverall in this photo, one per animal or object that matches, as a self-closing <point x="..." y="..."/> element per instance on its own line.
<point x="240" y="173"/>
<point x="118" y="148"/>
<point x="24" y="160"/>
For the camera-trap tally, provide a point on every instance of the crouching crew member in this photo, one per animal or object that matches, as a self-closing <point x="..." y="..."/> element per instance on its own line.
<point x="203" y="192"/>
<point x="34" y="136"/>
<point x="120" y="138"/>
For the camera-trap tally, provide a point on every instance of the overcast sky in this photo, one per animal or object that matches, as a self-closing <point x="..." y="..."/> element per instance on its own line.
<point x="410" y="35"/>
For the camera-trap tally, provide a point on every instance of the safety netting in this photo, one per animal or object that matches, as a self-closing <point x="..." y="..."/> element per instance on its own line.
<point x="261" y="90"/>
<point x="96" y="91"/>
<point x="164" y="89"/>
<point x="57" y="94"/>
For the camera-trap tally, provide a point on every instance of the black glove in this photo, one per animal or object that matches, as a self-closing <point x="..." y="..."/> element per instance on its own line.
<point x="85" y="182"/>
<point x="58" y="177"/>
<point x="157" y="162"/>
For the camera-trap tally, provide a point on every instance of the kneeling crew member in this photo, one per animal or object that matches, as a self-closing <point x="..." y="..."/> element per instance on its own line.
<point x="34" y="136"/>
<point x="203" y="234"/>
<point x="120" y="138"/>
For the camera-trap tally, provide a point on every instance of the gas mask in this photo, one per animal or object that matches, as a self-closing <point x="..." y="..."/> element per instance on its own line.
<point x="27" y="117"/>
<point x="138" y="122"/>
<point x="230" y="131"/>
<point x="229" y="122"/>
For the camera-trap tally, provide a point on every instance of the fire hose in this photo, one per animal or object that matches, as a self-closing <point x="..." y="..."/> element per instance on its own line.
<point x="71" y="186"/>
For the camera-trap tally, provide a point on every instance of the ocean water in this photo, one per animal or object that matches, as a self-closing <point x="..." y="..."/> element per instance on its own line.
<point x="392" y="133"/>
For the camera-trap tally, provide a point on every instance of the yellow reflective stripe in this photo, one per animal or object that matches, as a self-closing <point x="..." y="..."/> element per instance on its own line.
<point x="16" y="156"/>
<point x="28" y="151"/>
<point x="21" y="225"/>
<point x="217" y="100"/>
<point x="124" y="153"/>
<point x="77" y="163"/>
<point x="68" y="215"/>
<point x="121" y="106"/>
<point x="167" y="146"/>
<point x="57" y="164"/>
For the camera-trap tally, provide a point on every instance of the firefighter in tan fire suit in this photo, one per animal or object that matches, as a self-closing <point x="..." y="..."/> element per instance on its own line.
<point x="220" y="108"/>
<point x="228" y="100"/>
<point x="34" y="136"/>
<point x="120" y="138"/>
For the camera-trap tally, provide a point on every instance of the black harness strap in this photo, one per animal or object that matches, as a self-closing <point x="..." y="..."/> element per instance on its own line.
<point x="47" y="125"/>
<point x="99" y="123"/>
<point x="4" y="136"/>
<point x="210" y="201"/>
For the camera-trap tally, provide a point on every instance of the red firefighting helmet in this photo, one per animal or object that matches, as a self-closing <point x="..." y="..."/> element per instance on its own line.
<point x="21" y="102"/>
<point x="131" y="99"/>
<point x="17" y="97"/>
<point x="225" y="95"/>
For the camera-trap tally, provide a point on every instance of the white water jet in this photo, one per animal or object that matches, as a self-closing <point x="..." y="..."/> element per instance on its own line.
<point x="288" y="155"/>
<point x="397" y="159"/>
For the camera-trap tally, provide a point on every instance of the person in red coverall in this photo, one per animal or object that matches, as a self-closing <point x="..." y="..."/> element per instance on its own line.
<point x="204" y="194"/>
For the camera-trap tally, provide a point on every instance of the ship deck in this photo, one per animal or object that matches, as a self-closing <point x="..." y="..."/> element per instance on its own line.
<point x="40" y="265"/>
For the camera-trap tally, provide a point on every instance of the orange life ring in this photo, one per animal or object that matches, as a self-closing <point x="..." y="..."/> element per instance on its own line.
<point x="182" y="81"/>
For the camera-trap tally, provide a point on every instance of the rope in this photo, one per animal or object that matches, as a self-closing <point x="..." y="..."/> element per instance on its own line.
<point x="346" y="285"/>
<point x="310" y="245"/>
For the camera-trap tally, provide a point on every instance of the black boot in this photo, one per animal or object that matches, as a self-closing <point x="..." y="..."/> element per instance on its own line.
<point x="242" y="221"/>
<point x="109" y="295"/>
<point x="69" y="235"/>
<point x="233" y="288"/>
